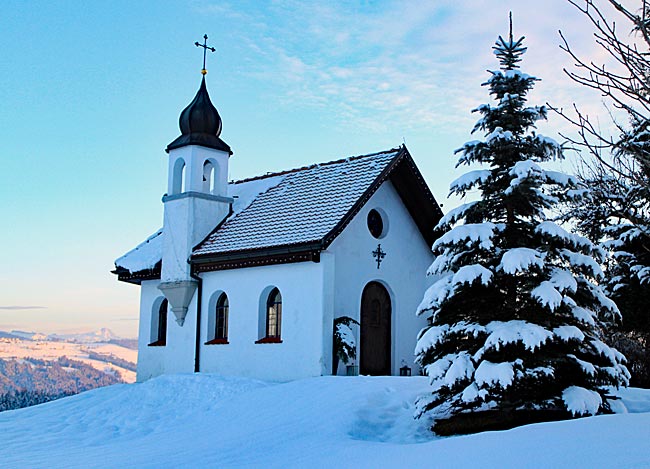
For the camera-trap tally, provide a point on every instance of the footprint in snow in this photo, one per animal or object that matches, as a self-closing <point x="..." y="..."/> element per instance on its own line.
<point x="387" y="417"/>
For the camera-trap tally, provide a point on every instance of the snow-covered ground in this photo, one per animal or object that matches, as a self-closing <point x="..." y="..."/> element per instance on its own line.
<point x="52" y="350"/>
<point x="213" y="421"/>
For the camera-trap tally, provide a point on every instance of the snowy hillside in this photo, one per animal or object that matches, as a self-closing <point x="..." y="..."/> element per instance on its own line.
<point x="101" y="349"/>
<point x="208" y="420"/>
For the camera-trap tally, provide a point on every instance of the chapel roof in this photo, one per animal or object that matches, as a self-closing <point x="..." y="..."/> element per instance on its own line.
<point x="292" y="215"/>
<point x="307" y="208"/>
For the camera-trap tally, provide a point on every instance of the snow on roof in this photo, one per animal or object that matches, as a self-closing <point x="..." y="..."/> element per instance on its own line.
<point x="144" y="256"/>
<point x="290" y="207"/>
<point x="299" y="206"/>
<point x="245" y="192"/>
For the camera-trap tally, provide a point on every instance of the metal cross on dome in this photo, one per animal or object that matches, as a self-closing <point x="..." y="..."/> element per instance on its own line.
<point x="379" y="255"/>
<point x="205" y="49"/>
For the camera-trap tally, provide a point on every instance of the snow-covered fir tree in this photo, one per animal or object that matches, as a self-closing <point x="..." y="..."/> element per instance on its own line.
<point x="517" y="309"/>
<point x="618" y="218"/>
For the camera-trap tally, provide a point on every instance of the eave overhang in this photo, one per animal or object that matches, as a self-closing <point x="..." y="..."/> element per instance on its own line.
<point x="136" y="278"/>
<point x="257" y="257"/>
<point x="204" y="140"/>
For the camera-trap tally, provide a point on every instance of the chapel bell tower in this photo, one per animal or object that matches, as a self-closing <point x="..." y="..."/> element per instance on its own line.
<point x="197" y="193"/>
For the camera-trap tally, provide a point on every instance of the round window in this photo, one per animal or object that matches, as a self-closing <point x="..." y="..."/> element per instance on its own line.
<point x="375" y="223"/>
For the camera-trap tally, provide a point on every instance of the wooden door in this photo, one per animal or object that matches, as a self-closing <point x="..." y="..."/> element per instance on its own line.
<point x="375" y="330"/>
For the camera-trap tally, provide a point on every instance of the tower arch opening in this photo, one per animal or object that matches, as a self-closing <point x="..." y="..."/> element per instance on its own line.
<point x="209" y="176"/>
<point x="178" y="177"/>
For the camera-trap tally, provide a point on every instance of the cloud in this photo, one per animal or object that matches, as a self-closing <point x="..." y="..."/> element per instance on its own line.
<point x="19" y="308"/>
<point x="414" y="65"/>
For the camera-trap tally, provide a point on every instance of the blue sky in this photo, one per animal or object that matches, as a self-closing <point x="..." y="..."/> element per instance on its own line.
<point x="91" y="93"/>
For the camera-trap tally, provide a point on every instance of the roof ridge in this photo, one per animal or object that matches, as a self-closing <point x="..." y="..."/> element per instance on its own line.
<point x="303" y="168"/>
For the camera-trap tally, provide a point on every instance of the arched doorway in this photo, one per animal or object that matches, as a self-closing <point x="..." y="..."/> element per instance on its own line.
<point x="375" y="330"/>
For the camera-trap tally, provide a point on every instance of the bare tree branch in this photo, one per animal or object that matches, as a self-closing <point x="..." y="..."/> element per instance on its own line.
<point x="616" y="164"/>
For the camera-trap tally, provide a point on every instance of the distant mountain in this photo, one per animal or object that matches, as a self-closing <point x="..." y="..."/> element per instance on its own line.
<point x="7" y="335"/>
<point x="29" y="335"/>
<point x="102" y="335"/>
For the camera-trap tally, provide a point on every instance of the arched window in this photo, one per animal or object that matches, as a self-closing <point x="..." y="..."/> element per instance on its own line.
<point x="218" y="309"/>
<point x="274" y="314"/>
<point x="159" y="325"/>
<point x="221" y="323"/>
<point x="270" y="316"/>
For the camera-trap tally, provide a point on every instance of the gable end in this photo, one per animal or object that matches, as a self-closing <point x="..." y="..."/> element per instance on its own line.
<point x="412" y="189"/>
<point x="418" y="199"/>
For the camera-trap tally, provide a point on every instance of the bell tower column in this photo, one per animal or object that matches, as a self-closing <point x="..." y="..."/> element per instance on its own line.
<point x="197" y="196"/>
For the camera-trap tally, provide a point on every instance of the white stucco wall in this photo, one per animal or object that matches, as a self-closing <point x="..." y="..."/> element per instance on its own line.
<point x="175" y="357"/>
<point x="187" y="221"/>
<point x="305" y="304"/>
<point x="402" y="271"/>
<point x="312" y="293"/>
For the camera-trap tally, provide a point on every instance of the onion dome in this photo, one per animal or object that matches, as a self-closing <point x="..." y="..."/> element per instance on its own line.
<point x="200" y="124"/>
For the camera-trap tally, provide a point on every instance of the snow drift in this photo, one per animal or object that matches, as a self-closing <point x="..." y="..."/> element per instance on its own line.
<point x="208" y="420"/>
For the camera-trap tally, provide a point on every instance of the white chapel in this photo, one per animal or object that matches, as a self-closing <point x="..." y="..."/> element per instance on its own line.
<point x="246" y="277"/>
